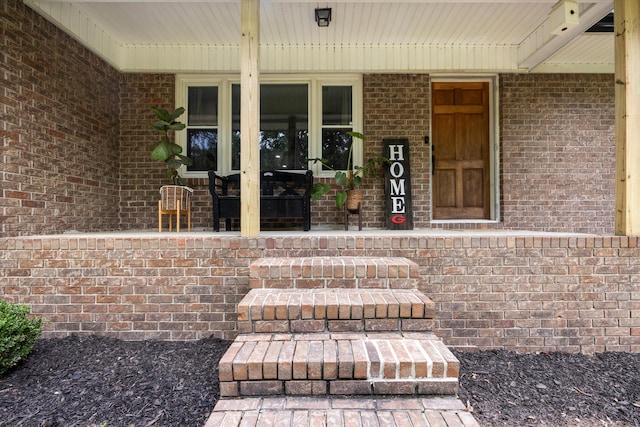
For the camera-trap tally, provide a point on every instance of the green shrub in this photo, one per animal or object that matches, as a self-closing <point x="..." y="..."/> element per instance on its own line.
<point x="18" y="334"/>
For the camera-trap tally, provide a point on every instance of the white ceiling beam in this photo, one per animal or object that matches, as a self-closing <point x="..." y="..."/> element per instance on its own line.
<point x="541" y="44"/>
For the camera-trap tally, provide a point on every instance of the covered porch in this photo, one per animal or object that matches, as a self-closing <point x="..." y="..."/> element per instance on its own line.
<point x="76" y="130"/>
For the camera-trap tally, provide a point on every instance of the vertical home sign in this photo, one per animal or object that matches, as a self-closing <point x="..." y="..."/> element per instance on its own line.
<point x="397" y="185"/>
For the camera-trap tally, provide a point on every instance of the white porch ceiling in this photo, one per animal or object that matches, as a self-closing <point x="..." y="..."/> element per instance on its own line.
<point x="437" y="36"/>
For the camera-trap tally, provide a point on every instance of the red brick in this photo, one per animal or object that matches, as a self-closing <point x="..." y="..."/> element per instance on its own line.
<point x="285" y="360"/>
<point x="306" y="387"/>
<point x="263" y="326"/>
<point x="270" y="366"/>
<point x="360" y="360"/>
<point x="374" y="325"/>
<point x="315" y="359"/>
<point x="394" y="387"/>
<point x="300" y="360"/>
<point x="320" y="305"/>
<point x="307" y="309"/>
<point x="308" y="325"/>
<point x="240" y="360"/>
<point x="381" y="305"/>
<point x="330" y="354"/>
<point x="345" y="359"/>
<point x="350" y="387"/>
<point x="255" y="361"/>
<point x="261" y="388"/>
<point x="449" y="387"/>
<point x="229" y="389"/>
<point x="375" y="368"/>
<point x="345" y="325"/>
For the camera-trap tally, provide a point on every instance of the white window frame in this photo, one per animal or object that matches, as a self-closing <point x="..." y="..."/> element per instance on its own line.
<point x="315" y="82"/>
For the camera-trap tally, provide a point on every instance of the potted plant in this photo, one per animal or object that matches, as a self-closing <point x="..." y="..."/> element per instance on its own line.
<point x="349" y="180"/>
<point x="167" y="150"/>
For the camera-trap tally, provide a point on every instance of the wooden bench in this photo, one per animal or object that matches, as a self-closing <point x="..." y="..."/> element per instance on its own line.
<point x="282" y="195"/>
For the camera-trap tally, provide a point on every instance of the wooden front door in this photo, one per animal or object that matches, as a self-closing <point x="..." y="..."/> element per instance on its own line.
<point x="460" y="150"/>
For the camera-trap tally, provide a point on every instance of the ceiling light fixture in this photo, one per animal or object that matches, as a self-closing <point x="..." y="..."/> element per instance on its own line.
<point x="323" y="16"/>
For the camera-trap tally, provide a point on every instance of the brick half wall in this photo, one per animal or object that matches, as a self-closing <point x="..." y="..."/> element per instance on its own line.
<point x="525" y="293"/>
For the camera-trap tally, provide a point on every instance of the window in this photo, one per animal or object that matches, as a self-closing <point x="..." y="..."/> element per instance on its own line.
<point x="337" y="121"/>
<point x="300" y="118"/>
<point x="284" y="126"/>
<point x="202" y="127"/>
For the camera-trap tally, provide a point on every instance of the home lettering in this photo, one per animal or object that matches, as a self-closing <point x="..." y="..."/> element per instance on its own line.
<point x="398" y="185"/>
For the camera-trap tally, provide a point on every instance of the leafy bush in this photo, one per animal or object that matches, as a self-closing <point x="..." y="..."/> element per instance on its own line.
<point x="18" y="334"/>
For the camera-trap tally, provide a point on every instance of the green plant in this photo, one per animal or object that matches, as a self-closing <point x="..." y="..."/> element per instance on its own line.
<point x="350" y="178"/>
<point x="167" y="150"/>
<point x="18" y="334"/>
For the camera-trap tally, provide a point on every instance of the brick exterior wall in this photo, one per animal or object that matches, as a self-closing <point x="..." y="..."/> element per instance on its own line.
<point x="571" y="134"/>
<point x="525" y="293"/>
<point x="558" y="152"/>
<point x="399" y="106"/>
<point x="59" y="126"/>
<point x="141" y="177"/>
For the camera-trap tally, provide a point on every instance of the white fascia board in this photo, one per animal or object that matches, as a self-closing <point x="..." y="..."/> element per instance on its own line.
<point x="322" y="58"/>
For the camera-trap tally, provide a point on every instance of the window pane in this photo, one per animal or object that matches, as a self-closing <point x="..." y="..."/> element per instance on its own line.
<point x="202" y="148"/>
<point x="284" y="126"/>
<point x="203" y="106"/>
<point x="336" y="105"/>
<point x="335" y="147"/>
<point x="235" y="147"/>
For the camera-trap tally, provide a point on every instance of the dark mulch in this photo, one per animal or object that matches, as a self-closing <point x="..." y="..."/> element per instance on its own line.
<point x="556" y="389"/>
<point x="85" y="381"/>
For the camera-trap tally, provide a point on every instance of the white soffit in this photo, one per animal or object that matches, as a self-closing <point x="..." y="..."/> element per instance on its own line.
<point x="365" y="36"/>
<point x="589" y="53"/>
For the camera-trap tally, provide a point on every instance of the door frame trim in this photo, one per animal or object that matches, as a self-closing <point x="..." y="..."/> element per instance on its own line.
<point x="494" y="146"/>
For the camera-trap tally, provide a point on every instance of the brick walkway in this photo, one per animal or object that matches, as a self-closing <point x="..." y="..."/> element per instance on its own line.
<point x="327" y="341"/>
<point x="337" y="412"/>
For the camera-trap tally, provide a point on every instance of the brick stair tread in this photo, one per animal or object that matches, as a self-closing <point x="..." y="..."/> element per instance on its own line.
<point x="333" y="272"/>
<point x="334" y="304"/>
<point x="339" y="364"/>
<point x="339" y="267"/>
<point x="340" y="412"/>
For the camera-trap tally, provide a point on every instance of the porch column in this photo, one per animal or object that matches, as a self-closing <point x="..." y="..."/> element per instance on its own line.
<point x="250" y="118"/>
<point x="627" y="92"/>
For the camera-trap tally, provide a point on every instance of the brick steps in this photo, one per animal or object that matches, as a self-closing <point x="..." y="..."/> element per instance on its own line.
<point x="341" y="412"/>
<point x="334" y="310"/>
<point x="332" y="337"/>
<point x="338" y="364"/>
<point x="334" y="272"/>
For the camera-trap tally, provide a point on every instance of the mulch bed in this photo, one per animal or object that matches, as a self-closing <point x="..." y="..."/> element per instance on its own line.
<point x="505" y="388"/>
<point x="92" y="380"/>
